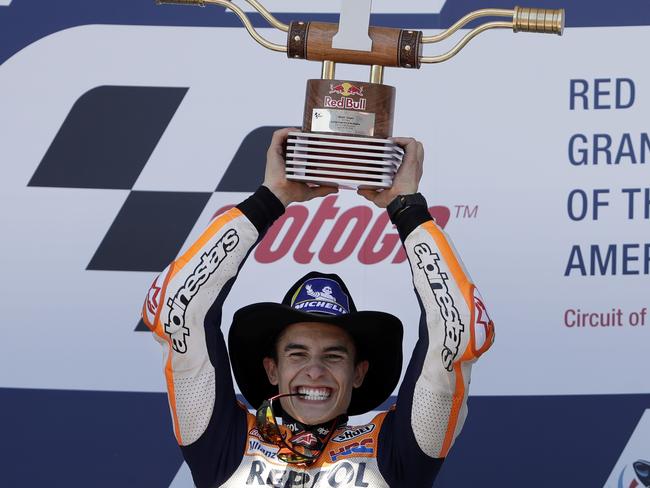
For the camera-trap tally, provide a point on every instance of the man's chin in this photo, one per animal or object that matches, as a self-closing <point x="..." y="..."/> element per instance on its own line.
<point x="313" y="415"/>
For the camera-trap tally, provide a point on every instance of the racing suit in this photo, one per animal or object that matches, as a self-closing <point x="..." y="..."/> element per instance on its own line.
<point x="403" y="447"/>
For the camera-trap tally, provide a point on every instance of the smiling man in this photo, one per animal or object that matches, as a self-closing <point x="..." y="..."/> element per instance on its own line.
<point x="309" y="362"/>
<point x="316" y="363"/>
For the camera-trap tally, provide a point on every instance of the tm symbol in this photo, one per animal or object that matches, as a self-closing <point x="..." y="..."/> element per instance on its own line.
<point x="466" y="211"/>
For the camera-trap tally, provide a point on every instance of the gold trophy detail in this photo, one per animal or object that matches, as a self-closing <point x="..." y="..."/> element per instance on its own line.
<point x="347" y="124"/>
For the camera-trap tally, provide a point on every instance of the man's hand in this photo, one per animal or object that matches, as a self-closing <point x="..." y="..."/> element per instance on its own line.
<point x="275" y="178"/>
<point x="408" y="175"/>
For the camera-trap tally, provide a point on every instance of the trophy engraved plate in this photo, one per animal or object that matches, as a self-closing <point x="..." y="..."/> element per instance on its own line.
<point x="343" y="121"/>
<point x="347" y="124"/>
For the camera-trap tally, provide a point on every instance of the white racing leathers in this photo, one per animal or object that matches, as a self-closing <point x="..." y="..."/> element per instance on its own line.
<point x="403" y="447"/>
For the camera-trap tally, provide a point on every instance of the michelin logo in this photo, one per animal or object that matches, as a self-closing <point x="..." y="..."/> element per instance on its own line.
<point x="326" y="306"/>
<point x="454" y="327"/>
<point x="210" y="261"/>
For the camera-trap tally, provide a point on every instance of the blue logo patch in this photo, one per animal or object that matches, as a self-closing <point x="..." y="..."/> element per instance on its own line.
<point x="321" y="295"/>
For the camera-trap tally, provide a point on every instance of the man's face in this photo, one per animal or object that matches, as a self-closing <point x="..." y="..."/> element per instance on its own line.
<point x="316" y="359"/>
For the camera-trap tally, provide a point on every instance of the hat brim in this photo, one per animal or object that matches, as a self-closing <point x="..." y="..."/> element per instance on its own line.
<point x="378" y="337"/>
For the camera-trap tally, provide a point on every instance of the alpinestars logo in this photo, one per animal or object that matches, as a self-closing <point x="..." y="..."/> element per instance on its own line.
<point x="454" y="327"/>
<point x="210" y="261"/>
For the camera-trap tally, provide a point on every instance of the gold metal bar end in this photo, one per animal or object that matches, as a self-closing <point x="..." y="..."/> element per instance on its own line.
<point x="541" y="20"/>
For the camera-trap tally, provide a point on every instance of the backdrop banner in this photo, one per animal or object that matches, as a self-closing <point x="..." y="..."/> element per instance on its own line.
<point x="124" y="128"/>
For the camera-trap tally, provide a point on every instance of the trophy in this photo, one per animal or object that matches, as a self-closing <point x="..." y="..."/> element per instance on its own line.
<point x="347" y="124"/>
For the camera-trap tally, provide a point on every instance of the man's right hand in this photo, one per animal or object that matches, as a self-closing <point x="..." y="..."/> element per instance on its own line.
<point x="275" y="178"/>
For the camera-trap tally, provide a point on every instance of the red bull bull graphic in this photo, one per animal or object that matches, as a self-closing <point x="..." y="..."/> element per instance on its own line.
<point x="346" y="89"/>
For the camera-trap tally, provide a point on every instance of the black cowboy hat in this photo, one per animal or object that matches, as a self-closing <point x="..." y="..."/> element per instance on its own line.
<point x="324" y="298"/>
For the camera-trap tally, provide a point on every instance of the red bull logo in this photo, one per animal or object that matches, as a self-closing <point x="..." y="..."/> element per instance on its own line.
<point x="346" y="89"/>
<point x="344" y="103"/>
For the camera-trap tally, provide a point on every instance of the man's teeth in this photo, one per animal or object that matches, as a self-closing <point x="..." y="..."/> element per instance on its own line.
<point x="314" y="393"/>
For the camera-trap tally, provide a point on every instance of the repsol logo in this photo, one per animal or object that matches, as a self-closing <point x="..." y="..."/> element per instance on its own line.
<point x="210" y="261"/>
<point x="331" y="236"/>
<point x="354" y="433"/>
<point x="454" y="327"/>
<point x="342" y="475"/>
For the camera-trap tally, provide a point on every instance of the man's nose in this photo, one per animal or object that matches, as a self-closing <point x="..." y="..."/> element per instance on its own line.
<point x="315" y="370"/>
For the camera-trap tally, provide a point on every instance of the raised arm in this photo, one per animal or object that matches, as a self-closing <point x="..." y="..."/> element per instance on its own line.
<point x="454" y="331"/>
<point x="183" y="310"/>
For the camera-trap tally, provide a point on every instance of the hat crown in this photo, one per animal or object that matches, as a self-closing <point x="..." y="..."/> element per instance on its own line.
<point x="321" y="295"/>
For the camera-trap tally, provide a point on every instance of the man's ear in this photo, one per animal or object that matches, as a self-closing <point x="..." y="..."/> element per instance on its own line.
<point x="360" y="371"/>
<point x="271" y="370"/>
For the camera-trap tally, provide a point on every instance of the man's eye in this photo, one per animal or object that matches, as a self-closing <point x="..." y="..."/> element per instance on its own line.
<point x="334" y="357"/>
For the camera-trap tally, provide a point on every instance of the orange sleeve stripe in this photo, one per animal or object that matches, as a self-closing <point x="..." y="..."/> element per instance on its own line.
<point x="158" y="329"/>
<point x="144" y="317"/>
<point x="466" y="288"/>
<point x="175" y="267"/>
<point x="450" y="258"/>
<point x="169" y="370"/>
<point x="470" y="352"/>
<point x="456" y="404"/>
<point x="216" y="225"/>
<point x="163" y="294"/>
<point x="169" y="377"/>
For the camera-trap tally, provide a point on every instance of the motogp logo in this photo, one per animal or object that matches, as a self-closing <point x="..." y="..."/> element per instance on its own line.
<point x="641" y="470"/>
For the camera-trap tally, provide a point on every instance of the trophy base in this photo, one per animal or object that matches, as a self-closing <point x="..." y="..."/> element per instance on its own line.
<point x="342" y="160"/>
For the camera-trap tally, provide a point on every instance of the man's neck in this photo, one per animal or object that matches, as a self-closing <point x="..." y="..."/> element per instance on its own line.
<point x="296" y="426"/>
<point x="313" y="436"/>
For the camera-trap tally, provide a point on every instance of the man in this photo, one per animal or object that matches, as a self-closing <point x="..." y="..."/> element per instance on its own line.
<point x="314" y="359"/>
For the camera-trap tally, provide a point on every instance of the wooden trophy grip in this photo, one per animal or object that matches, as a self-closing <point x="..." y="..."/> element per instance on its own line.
<point x="391" y="47"/>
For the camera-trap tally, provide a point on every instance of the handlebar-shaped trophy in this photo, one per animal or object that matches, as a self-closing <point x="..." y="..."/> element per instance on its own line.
<point x="347" y="124"/>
